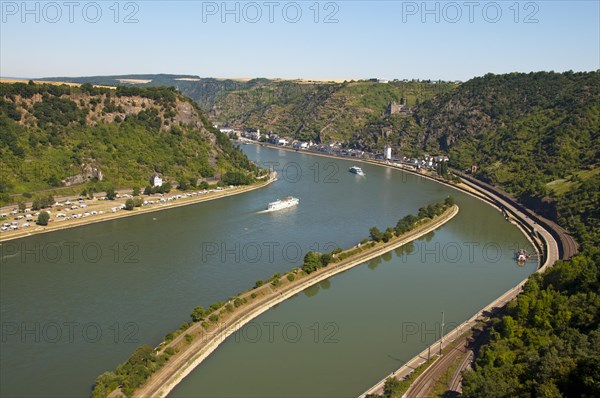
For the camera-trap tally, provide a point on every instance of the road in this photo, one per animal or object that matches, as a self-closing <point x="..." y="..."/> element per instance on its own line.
<point x="567" y="245"/>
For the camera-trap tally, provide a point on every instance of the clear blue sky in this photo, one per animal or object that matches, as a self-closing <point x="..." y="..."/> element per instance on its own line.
<point x="386" y="39"/>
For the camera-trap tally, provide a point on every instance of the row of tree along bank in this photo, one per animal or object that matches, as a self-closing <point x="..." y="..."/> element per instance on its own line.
<point x="146" y="361"/>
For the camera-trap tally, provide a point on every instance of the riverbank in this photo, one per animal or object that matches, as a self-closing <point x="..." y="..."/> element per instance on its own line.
<point x="534" y="232"/>
<point x="107" y="215"/>
<point x="197" y="342"/>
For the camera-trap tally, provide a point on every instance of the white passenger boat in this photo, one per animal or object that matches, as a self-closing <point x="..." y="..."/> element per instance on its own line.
<point x="280" y="204"/>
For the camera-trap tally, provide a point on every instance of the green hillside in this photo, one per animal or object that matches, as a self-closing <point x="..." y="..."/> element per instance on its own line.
<point x="353" y="112"/>
<point x="522" y="130"/>
<point x="536" y="135"/>
<point x="56" y="136"/>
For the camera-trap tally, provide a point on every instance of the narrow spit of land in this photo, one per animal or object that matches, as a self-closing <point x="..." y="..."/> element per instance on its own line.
<point x="196" y="343"/>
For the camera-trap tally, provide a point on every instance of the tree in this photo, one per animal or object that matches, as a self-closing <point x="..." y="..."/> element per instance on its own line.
<point x="442" y="169"/>
<point x="391" y="387"/>
<point x="165" y="187"/>
<point x="388" y="234"/>
<point x="375" y="234"/>
<point x="111" y="194"/>
<point x="36" y="204"/>
<point x="236" y="178"/>
<point x="183" y="185"/>
<point x="148" y="190"/>
<point x="21" y="207"/>
<point x="312" y="262"/>
<point x="203" y="185"/>
<point x="325" y="259"/>
<point x="43" y="218"/>
<point x="129" y="204"/>
<point x="198" y="313"/>
<point x="136" y="191"/>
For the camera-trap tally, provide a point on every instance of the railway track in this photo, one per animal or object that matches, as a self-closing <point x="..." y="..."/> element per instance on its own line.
<point x="567" y="245"/>
<point x="425" y="382"/>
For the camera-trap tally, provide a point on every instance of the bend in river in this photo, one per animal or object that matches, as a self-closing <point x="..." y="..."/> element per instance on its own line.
<point x="136" y="279"/>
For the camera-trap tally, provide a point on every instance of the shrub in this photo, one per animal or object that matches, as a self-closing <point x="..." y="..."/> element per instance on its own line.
<point x="170" y="351"/>
<point x="129" y="204"/>
<point x="238" y="302"/>
<point x="215" y="306"/>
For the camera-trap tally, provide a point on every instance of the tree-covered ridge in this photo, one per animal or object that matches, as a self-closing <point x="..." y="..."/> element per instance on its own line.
<point x="58" y="135"/>
<point x="521" y="130"/>
<point x="548" y="343"/>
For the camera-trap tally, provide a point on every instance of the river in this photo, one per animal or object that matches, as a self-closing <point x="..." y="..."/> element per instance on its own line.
<point x="75" y="303"/>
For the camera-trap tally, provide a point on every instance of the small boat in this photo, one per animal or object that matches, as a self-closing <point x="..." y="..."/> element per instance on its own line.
<point x="522" y="256"/>
<point x="280" y="204"/>
<point x="356" y="170"/>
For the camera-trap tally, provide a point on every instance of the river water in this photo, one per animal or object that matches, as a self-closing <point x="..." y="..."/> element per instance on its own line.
<point x="75" y="303"/>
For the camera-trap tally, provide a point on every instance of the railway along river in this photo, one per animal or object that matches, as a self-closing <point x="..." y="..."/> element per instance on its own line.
<point x="77" y="302"/>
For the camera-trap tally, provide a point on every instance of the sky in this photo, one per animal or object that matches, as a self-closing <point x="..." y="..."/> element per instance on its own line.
<point x="447" y="40"/>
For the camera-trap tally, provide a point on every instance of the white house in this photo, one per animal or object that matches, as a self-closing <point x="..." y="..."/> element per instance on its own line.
<point x="156" y="180"/>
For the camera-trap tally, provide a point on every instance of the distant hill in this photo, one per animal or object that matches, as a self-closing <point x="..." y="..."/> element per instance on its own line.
<point x="57" y="135"/>
<point x="205" y="91"/>
<point x="355" y="112"/>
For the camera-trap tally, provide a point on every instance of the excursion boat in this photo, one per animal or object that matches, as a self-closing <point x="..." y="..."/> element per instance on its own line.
<point x="280" y="204"/>
<point x="356" y="170"/>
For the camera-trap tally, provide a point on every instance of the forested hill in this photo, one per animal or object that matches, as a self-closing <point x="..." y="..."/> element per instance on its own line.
<point x="537" y="135"/>
<point x="57" y="135"/>
<point x="521" y="130"/>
